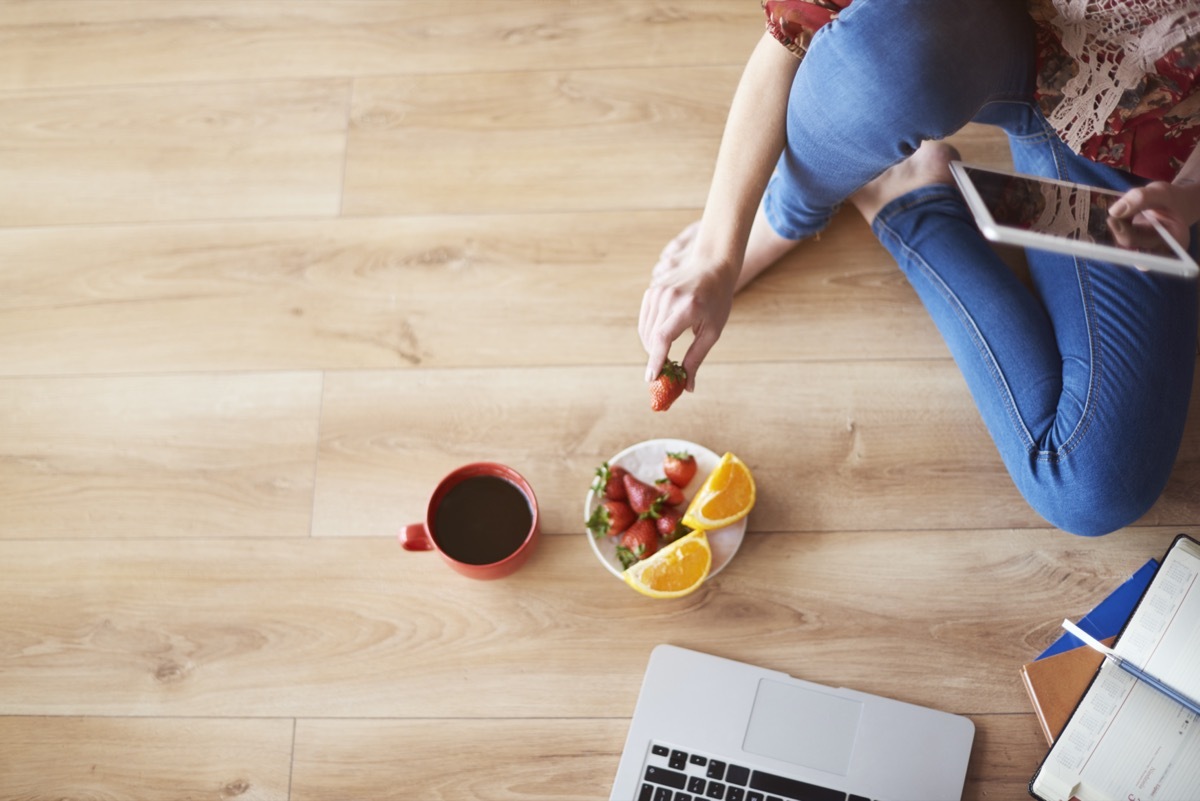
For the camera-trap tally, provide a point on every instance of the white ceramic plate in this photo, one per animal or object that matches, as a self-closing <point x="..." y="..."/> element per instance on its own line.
<point x="644" y="460"/>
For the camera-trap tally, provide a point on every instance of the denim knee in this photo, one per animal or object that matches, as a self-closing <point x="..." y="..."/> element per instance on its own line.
<point x="1091" y="503"/>
<point x="870" y="89"/>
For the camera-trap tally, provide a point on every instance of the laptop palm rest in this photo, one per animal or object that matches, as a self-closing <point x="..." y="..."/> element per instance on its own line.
<point x="802" y="726"/>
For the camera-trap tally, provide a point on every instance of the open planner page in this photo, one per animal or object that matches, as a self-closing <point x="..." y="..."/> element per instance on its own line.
<point x="1127" y="740"/>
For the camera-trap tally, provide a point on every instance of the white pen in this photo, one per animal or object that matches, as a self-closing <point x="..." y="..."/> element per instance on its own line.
<point x="1133" y="669"/>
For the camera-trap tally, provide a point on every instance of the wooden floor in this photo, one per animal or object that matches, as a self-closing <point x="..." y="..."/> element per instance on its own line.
<point x="269" y="269"/>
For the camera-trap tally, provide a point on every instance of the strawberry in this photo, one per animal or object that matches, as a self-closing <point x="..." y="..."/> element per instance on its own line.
<point x="668" y="386"/>
<point x="641" y="495"/>
<point x="609" y="481"/>
<point x="668" y="524"/>
<point x="669" y="492"/>
<point x="638" y="542"/>
<point x="680" y="468"/>
<point x="610" y="518"/>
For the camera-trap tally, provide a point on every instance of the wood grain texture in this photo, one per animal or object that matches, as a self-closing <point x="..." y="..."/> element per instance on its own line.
<point x="144" y="759"/>
<point x="359" y="628"/>
<point x="535" y="141"/>
<point x="844" y="447"/>
<point x="106" y="42"/>
<point x="847" y="447"/>
<point x="158" y="456"/>
<point x="576" y="760"/>
<point x="271" y="268"/>
<point x="146" y="154"/>
<point x="427" y="292"/>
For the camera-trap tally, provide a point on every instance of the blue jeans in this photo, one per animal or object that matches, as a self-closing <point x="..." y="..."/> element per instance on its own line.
<point x="1083" y="381"/>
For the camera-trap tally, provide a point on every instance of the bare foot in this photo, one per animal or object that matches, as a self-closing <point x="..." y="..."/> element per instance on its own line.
<point x="763" y="248"/>
<point x="929" y="165"/>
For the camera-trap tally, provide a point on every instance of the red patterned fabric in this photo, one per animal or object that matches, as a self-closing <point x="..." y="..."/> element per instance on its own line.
<point x="793" y="22"/>
<point x="1152" y="131"/>
<point x="1155" y="125"/>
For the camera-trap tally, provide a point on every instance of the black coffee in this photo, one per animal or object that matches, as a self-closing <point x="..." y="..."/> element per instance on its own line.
<point x="481" y="520"/>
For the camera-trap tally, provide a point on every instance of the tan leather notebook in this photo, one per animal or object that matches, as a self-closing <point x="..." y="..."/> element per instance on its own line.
<point x="1055" y="685"/>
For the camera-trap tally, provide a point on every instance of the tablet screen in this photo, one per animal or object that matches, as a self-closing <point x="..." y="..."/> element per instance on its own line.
<point x="1064" y="210"/>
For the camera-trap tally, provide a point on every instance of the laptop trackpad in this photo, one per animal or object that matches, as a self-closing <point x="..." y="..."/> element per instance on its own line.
<point x="805" y="727"/>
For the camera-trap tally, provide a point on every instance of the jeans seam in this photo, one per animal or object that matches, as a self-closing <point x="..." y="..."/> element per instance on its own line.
<point x="960" y="312"/>
<point x="1083" y="279"/>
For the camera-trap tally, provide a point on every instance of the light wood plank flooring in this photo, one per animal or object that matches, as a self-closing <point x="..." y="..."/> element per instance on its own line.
<point x="269" y="269"/>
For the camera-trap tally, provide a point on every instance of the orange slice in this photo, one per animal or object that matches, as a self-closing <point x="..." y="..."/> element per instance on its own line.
<point x="675" y="570"/>
<point x="725" y="497"/>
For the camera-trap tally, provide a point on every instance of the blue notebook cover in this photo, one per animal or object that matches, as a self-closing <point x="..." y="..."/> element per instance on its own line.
<point x="1109" y="616"/>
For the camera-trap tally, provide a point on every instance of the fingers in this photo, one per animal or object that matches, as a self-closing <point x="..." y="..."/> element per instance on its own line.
<point x="655" y="327"/>
<point x="696" y="354"/>
<point x="1142" y="207"/>
<point x="665" y="323"/>
<point x="684" y="295"/>
<point x="677" y="313"/>
<point x="1156" y="195"/>
<point x="1127" y="206"/>
<point x="657" y="345"/>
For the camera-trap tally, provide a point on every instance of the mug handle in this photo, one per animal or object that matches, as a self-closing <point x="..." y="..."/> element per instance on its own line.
<point x="415" y="538"/>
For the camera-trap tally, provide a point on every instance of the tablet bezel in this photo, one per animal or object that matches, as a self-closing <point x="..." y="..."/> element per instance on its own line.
<point x="1182" y="265"/>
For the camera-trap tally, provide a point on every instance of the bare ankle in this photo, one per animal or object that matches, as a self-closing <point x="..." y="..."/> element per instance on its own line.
<point x="929" y="165"/>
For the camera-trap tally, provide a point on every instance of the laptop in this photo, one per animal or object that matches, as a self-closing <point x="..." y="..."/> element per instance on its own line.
<point x="761" y="735"/>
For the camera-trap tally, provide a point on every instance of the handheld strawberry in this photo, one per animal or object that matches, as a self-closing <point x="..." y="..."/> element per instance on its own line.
<point x="680" y="467"/>
<point x="638" y="542"/>
<point x="668" y="386"/>
<point x="610" y="518"/>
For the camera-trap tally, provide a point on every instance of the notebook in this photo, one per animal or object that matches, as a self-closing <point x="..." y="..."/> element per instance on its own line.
<point x="709" y="727"/>
<point x="1057" y="679"/>
<point x="1110" y="615"/>
<point x="1056" y="683"/>
<point x="1127" y="740"/>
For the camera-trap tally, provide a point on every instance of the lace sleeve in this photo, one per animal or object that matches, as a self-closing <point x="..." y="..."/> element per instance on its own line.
<point x="1108" y="67"/>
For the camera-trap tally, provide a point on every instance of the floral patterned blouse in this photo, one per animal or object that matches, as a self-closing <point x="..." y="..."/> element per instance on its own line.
<point x="1118" y="79"/>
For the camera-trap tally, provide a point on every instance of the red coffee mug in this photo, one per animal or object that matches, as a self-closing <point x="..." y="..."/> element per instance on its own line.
<point x="481" y="531"/>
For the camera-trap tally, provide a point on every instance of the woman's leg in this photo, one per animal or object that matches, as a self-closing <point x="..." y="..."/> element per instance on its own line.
<point x="876" y="82"/>
<point x="1083" y="383"/>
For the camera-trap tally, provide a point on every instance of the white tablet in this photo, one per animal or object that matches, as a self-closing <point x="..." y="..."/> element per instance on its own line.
<point x="1064" y="217"/>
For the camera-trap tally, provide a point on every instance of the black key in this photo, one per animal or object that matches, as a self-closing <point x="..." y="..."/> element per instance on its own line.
<point x="715" y="790"/>
<point x="774" y="798"/>
<point x="735" y="794"/>
<point x="695" y="785"/>
<point x="659" y="750"/>
<point x="647" y="793"/>
<point x="682" y="797"/>
<point x="737" y="775"/>
<point x="699" y="760"/>
<point x="668" y="777"/>
<point x="854" y="797"/>
<point x="678" y="760"/>
<point x="662" y="794"/>
<point x="716" y="769"/>
<point x="753" y="796"/>
<point x="793" y="788"/>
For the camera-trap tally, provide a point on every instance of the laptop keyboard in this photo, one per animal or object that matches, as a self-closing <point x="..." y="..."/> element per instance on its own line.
<point x="673" y="774"/>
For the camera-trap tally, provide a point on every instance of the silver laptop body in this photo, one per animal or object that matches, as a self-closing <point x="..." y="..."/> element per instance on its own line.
<point x="708" y="727"/>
